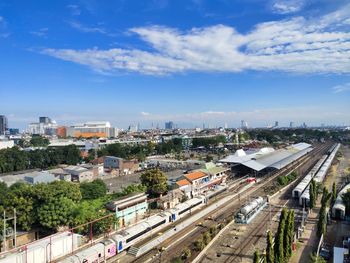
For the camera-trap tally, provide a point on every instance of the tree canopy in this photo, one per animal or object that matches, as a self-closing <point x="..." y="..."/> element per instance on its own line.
<point x="39" y="141"/>
<point x="14" y="159"/>
<point x="93" y="190"/>
<point x="155" y="181"/>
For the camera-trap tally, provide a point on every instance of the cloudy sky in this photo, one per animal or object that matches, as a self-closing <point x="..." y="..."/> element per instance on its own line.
<point x="189" y="61"/>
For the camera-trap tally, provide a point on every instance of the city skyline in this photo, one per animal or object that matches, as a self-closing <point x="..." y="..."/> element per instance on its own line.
<point x="190" y="62"/>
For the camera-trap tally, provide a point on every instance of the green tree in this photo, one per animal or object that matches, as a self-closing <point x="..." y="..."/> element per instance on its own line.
<point x="155" y="181"/>
<point x="71" y="154"/>
<point x="334" y="193"/>
<point x="57" y="189"/>
<point x="279" y="240"/>
<point x="38" y="141"/>
<point x="321" y="223"/>
<point x="270" y="254"/>
<point x="326" y="196"/>
<point x="3" y="192"/>
<point x="20" y="196"/>
<point x="93" y="190"/>
<point x="56" y="212"/>
<point x="288" y="235"/>
<point x="256" y="257"/>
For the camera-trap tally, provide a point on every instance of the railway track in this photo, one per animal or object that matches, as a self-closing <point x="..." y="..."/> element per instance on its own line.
<point x="223" y="213"/>
<point x="255" y="235"/>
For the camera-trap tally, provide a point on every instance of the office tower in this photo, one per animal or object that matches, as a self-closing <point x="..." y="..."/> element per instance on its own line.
<point x="3" y="124"/>
<point x="169" y="125"/>
<point x="44" y="120"/>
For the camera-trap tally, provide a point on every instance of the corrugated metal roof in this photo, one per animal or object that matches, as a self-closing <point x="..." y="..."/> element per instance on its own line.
<point x="266" y="157"/>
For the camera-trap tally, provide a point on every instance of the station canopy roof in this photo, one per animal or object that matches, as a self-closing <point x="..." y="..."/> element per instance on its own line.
<point x="268" y="157"/>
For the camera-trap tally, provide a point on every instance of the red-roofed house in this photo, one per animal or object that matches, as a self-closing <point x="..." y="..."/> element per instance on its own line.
<point x="199" y="181"/>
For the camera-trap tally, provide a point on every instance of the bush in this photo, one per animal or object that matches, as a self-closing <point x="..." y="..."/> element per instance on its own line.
<point x="213" y="231"/>
<point x="186" y="253"/>
<point x="283" y="180"/>
<point x="93" y="190"/>
<point x="199" y="244"/>
<point x="176" y="260"/>
<point x="206" y="238"/>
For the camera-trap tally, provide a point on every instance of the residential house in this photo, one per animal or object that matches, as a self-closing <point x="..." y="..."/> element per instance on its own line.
<point x="199" y="181"/>
<point x="170" y="200"/>
<point x="129" y="209"/>
<point x="120" y="166"/>
<point x="60" y="174"/>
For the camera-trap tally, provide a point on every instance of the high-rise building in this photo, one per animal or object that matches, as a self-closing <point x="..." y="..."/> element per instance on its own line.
<point x="169" y="125"/>
<point x="276" y="123"/>
<point x="44" y="126"/>
<point x="3" y="124"/>
<point x="244" y="124"/>
<point x="13" y="131"/>
<point x="291" y="124"/>
<point x="44" y="120"/>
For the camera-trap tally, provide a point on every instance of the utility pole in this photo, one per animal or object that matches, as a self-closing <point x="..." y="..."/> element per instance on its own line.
<point x="15" y="226"/>
<point x="4" y="232"/>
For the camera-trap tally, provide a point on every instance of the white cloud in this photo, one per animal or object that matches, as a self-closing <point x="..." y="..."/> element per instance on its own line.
<point x="41" y="32"/>
<point x="86" y="29"/>
<point x="74" y="9"/>
<point x="341" y="88"/>
<point x="287" y="6"/>
<point x="296" y="45"/>
<point x="145" y="113"/>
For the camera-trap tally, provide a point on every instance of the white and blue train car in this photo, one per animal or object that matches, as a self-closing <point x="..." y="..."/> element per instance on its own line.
<point x="131" y="235"/>
<point x="338" y="209"/>
<point x="304" y="199"/>
<point x="300" y="188"/>
<point x="186" y="207"/>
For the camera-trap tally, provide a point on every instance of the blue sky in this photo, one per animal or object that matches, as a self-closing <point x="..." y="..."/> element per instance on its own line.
<point x="190" y="61"/>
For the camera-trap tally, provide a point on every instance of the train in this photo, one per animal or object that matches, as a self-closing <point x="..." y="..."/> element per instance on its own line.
<point x="304" y="197"/>
<point x="45" y="251"/>
<point x="246" y="214"/>
<point x="338" y="209"/>
<point x="300" y="188"/>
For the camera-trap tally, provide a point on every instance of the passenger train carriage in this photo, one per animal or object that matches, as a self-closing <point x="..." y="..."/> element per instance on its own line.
<point x="61" y="244"/>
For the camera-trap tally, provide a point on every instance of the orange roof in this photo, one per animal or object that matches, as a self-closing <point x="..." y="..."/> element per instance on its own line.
<point x="195" y="175"/>
<point x="182" y="182"/>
